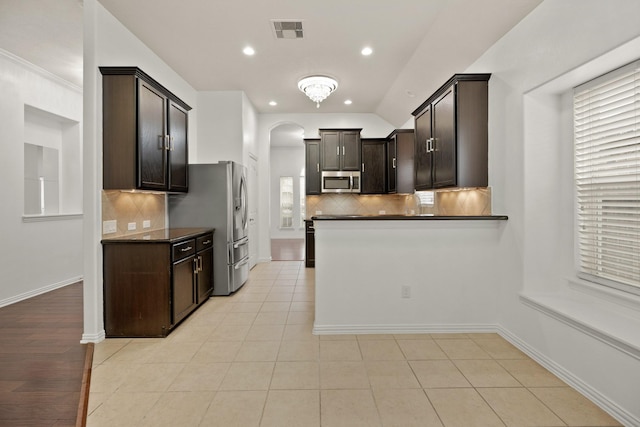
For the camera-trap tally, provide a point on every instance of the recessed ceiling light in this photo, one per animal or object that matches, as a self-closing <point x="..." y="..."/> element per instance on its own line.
<point x="366" y="51"/>
<point x="273" y="103"/>
<point x="249" y="51"/>
<point x="347" y="102"/>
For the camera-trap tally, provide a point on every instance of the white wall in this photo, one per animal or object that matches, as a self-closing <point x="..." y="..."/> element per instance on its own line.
<point x="220" y="132"/>
<point x="372" y="127"/>
<point x="286" y="161"/>
<point x="36" y="256"/>
<point x="530" y="171"/>
<point x="108" y="42"/>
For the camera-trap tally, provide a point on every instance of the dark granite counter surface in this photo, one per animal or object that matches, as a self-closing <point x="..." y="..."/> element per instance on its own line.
<point x="417" y="217"/>
<point x="165" y="235"/>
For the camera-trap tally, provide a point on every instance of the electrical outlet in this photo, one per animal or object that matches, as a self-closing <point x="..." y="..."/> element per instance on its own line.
<point x="131" y="226"/>
<point x="382" y="212"/>
<point x="406" y="291"/>
<point x="109" y="227"/>
<point x="318" y="212"/>
<point x="146" y="223"/>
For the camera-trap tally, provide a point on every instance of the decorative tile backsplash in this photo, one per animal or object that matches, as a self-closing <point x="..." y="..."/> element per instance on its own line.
<point x="455" y="202"/>
<point x="128" y="207"/>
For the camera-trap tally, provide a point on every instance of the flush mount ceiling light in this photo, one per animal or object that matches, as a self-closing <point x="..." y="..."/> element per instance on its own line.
<point x="317" y="88"/>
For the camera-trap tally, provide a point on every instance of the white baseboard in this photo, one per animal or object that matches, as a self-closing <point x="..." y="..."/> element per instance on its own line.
<point x="39" y="291"/>
<point x="402" y="329"/>
<point x="589" y="392"/>
<point x="94" y="338"/>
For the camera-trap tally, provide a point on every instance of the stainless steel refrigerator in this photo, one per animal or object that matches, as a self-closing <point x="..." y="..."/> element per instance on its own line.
<point x="217" y="198"/>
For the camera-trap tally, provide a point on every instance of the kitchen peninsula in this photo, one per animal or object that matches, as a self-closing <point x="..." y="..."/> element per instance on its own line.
<point x="407" y="273"/>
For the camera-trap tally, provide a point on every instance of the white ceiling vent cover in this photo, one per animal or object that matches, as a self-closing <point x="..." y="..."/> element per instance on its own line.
<point x="287" y="29"/>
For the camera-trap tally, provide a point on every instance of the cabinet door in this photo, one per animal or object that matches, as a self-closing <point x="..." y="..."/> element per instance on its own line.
<point x="405" y="175"/>
<point x="350" y="151"/>
<point x="423" y="180"/>
<point x="373" y="167"/>
<point x="331" y="151"/>
<point x="444" y="134"/>
<point x="152" y="141"/>
<point x="312" y="167"/>
<point x="391" y="164"/>
<point x="205" y="275"/>
<point x="310" y="245"/>
<point x="183" y="288"/>
<point x="178" y="155"/>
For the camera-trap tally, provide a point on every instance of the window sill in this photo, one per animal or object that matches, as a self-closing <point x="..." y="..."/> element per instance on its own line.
<point x="53" y="217"/>
<point x="612" y="319"/>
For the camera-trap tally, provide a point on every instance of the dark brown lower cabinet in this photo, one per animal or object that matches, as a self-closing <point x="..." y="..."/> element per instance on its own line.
<point x="310" y="244"/>
<point x="151" y="285"/>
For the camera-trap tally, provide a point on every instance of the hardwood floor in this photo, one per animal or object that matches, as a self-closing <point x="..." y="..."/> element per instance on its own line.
<point x="42" y="361"/>
<point x="287" y="249"/>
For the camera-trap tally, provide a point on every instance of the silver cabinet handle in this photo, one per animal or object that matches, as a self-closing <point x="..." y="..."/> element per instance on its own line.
<point x="195" y="266"/>
<point x="171" y="145"/>
<point x="363" y="167"/>
<point x="317" y="167"/>
<point x="394" y="162"/>
<point x="337" y="151"/>
<point x="206" y="242"/>
<point x="343" y="150"/>
<point x="188" y="248"/>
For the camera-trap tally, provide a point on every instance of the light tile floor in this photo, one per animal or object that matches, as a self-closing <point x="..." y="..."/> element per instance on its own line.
<point x="251" y="360"/>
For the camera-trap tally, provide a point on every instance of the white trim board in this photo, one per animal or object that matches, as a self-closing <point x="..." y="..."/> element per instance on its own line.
<point x="39" y="291"/>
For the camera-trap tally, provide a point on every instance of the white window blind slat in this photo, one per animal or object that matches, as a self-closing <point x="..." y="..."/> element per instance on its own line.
<point x="607" y="177"/>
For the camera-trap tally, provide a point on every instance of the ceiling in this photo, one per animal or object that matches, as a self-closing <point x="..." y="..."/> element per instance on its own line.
<point x="417" y="45"/>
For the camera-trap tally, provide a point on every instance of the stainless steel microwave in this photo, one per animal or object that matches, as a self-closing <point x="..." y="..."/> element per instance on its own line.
<point x="341" y="182"/>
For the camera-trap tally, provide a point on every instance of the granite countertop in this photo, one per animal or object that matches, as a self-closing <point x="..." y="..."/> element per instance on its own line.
<point x="166" y="235"/>
<point x="416" y="217"/>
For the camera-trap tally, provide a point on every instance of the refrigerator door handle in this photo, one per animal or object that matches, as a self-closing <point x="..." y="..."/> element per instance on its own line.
<point x="243" y="201"/>
<point x="240" y="242"/>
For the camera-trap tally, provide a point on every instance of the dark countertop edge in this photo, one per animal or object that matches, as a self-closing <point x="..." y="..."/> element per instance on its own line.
<point x="409" y="218"/>
<point x="165" y="235"/>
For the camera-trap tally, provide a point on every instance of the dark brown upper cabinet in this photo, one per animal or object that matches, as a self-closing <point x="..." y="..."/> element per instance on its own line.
<point x="312" y="166"/>
<point x="451" y="135"/>
<point x="400" y="167"/>
<point x="340" y="149"/>
<point x="145" y="127"/>
<point x="374" y="166"/>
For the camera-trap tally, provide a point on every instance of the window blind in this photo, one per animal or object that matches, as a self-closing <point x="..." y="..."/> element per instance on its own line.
<point x="607" y="176"/>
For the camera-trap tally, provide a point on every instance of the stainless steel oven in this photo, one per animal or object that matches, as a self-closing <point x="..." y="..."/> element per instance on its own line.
<point x="341" y="182"/>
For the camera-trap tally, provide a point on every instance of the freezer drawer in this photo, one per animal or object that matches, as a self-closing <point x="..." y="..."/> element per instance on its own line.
<point x="238" y="250"/>
<point x="238" y="274"/>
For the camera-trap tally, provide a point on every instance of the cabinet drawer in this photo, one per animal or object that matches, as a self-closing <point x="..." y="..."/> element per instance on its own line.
<point x="204" y="242"/>
<point x="183" y="249"/>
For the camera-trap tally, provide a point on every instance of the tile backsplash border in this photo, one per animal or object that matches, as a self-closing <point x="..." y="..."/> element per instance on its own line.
<point x="450" y="202"/>
<point x="133" y="207"/>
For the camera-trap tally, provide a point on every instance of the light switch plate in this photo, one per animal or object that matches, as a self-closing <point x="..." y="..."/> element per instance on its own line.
<point x="109" y="227"/>
<point x="131" y="226"/>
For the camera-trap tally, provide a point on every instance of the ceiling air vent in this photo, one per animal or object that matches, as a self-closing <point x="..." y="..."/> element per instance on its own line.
<point x="287" y="29"/>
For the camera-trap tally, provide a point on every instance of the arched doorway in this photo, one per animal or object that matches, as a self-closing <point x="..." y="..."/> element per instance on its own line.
<point x="287" y="193"/>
